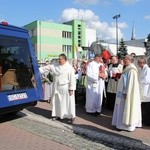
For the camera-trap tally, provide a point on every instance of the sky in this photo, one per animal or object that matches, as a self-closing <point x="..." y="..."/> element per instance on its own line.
<point x="98" y="15"/>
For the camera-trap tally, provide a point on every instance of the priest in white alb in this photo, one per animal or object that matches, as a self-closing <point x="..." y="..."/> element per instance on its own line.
<point x="127" y="111"/>
<point x="144" y="78"/>
<point x="64" y="85"/>
<point x="96" y="73"/>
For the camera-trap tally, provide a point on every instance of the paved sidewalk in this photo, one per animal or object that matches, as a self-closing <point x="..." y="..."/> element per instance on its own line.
<point x="13" y="138"/>
<point x="64" y="136"/>
<point x="94" y="128"/>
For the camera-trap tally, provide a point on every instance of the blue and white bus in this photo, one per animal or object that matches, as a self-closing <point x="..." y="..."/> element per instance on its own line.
<point x="20" y="82"/>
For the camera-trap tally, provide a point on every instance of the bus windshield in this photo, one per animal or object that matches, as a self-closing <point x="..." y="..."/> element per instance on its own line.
<point x="16" y="69"/>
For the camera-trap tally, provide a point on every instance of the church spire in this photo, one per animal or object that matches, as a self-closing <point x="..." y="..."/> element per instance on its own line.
<point x="133" y="32"/>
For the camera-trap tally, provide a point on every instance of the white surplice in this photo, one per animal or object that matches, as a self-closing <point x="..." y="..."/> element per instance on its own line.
<point x="144" y="79"/>
<point x="127" y="111"/>
<point x="94" y="88"/>
<point x="63" y="105"/>
<point x="112" y="83"/>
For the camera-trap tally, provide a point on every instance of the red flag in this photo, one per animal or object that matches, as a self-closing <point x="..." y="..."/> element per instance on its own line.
<point x="106" y="54"/>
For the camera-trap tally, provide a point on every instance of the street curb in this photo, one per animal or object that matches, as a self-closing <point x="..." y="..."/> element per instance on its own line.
<point x="31" y="116"/>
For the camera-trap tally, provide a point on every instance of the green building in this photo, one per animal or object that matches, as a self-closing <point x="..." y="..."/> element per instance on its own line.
<point x="51" y="39"/>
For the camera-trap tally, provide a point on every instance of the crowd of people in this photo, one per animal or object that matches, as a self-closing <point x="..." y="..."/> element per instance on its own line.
<point x="120" y="86"/>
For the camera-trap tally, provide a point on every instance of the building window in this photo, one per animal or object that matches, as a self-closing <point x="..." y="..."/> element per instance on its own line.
<point x="66" y="34"/>
<point x="79" y="36"/>
<point x="67" y="48"/>
<point x="32" y="32"/>
<point x="69" y="35"/>
<point x="63" y="34"/>
<point x="79" y="42"/>
<point x="79" y="32"/>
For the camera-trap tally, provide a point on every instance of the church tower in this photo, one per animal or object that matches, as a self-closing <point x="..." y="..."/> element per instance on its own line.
<point x="133" y="32"/>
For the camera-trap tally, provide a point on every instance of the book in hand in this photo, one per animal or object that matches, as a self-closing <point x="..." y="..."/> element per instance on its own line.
<point x="118" y="75"/>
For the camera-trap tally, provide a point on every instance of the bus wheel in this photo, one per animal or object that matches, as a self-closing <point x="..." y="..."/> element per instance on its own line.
<point x="14" y="113"/>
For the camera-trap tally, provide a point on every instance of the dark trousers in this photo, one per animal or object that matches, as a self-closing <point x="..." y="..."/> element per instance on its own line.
<point x="145" y="113"/>
<point x="110" y="102"/>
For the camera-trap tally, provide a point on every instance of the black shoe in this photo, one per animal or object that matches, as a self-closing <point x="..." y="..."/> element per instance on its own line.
<point x="98" y="113"/>
<point x="92" y="114"/>
<point x="118" y="130"/>
<point x="70" y="121"/>
<point x="55" y="118"/>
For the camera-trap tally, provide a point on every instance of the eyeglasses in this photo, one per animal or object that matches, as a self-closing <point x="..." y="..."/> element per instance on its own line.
<point x="60" y="59"/>
<point x="126" y="58"/>
<point x="140" y="62"/>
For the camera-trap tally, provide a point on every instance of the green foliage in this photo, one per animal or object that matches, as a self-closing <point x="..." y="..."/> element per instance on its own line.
<point x="148" y="37"/>
<point x="122" y="51"/>
<point x="50" y="77"/>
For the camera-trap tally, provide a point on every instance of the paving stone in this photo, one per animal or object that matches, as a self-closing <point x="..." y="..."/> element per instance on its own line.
<point x="77" y="137"/>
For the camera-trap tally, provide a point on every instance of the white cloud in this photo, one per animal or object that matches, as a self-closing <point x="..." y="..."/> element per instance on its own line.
<point x="121" y="25"/>
<point x="128" y="2"/>
<point x="92" y="2"/>
<point x="103" y="29"/>
<point x="87" y="2"/>
<point x="147" y="17"/>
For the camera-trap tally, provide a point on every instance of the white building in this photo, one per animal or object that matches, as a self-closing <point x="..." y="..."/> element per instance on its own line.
<point x="133" y="46"/>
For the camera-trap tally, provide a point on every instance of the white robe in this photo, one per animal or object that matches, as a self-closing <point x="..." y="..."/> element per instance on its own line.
<point x="127" y="111"/>
<point x="63" y="105"/>
<point x="47" y="86"/>
<point x="112" y="84"/>
<point x="144" y="79"/>
<point x="94" y="88"/>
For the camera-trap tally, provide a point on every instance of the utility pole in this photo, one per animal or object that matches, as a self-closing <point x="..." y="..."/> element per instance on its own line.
<point x="116" y="17"/>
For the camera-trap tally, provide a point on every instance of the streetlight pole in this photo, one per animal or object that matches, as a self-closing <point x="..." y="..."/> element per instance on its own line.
<point x="116" y="17"/>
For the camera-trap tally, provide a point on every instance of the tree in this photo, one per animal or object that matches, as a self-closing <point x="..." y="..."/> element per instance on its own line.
<point x="148" y="37"/>
<point x="122" y="51"/>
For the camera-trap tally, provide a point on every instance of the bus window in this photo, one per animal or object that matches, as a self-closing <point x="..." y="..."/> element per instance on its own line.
<point x="15" y="64"/>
